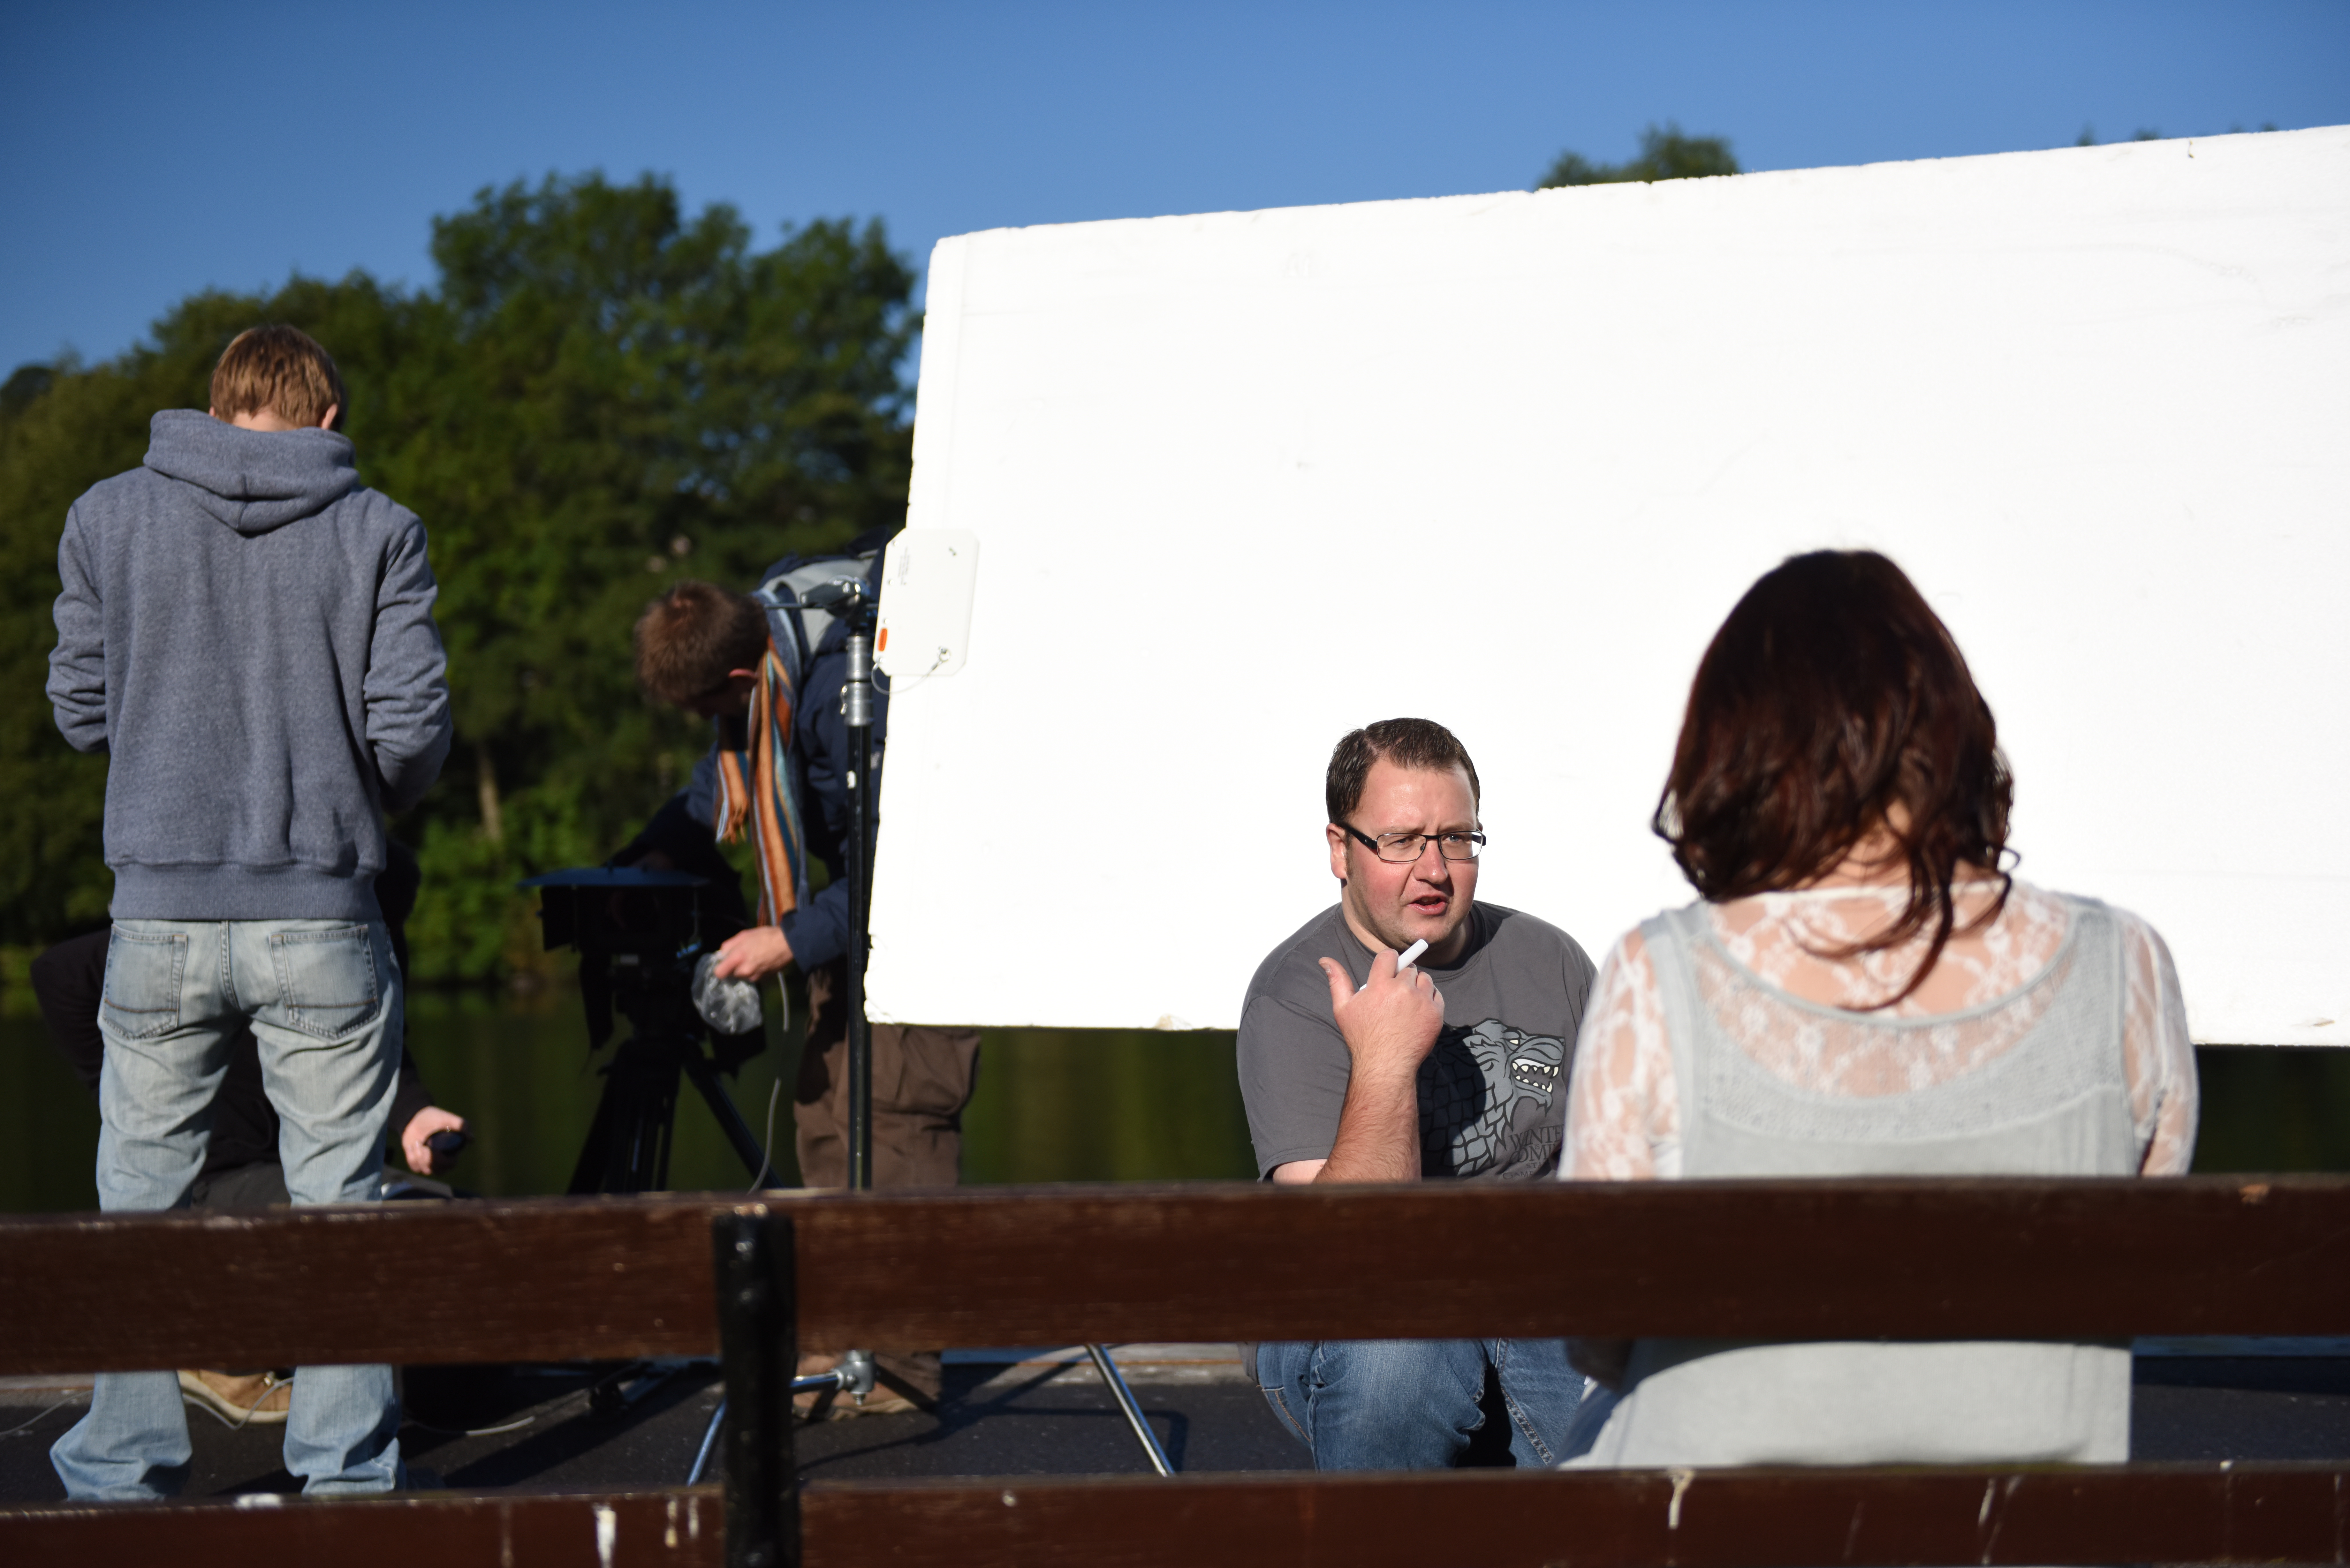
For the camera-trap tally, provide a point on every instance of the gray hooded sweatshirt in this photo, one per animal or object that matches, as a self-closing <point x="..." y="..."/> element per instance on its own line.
<point x="248" y="631"/>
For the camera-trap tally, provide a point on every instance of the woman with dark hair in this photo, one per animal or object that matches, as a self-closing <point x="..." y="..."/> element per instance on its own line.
<point x="1864" y="991"/>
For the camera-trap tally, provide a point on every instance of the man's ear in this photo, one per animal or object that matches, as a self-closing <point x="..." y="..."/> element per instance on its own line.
<point x="327" y="421"/>
<point x="742" y="675"/>
<point x="1337" y="837"/>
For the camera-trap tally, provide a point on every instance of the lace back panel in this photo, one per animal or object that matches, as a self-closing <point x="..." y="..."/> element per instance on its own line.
<point x="1774" y="1085"/>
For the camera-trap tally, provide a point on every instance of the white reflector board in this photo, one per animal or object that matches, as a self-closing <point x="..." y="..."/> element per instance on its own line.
<point x="1248" y="480"/>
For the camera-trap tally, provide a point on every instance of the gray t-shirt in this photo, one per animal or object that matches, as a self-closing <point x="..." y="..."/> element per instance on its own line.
<point x="1493" y="1095"/>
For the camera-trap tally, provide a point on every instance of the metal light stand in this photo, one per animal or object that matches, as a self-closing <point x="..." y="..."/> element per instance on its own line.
<point x="856" y="1373"/>
<point x="857" y="712"/>
<point x="848" y="599"/>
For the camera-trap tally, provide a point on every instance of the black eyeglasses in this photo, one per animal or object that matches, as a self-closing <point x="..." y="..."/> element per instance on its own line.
<point x="1403" y="848"/>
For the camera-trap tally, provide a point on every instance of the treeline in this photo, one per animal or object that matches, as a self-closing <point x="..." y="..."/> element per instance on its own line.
<point x="1666" y="152"/>
<point x="600" y="394"/>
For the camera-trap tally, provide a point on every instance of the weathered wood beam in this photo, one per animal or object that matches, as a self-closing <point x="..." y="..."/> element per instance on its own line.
<point x="1702" y="1519"/>
<point x="562" y="1278"/>
<point x="650" y="1529"/>
<point x="1598" y="1519"/>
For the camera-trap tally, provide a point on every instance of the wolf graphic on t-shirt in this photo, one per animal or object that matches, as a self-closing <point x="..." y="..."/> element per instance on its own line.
<point x="1489" y="1101"/>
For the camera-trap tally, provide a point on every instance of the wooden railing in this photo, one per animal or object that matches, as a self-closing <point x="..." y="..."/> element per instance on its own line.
<point x="616" y="1278"/>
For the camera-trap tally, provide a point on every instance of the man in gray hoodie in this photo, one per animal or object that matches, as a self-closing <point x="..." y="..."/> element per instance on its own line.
<point x="248" y="632"/>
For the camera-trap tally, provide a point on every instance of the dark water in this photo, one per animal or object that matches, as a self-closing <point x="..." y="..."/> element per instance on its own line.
<point x="2269" y="1110"/>
<point x="1052" y="1105"/>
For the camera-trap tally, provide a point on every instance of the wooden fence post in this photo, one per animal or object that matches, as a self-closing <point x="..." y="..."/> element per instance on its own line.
<point x="758" y="1320"/>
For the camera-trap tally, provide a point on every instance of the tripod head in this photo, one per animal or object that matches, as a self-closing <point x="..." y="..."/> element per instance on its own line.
<point x="850" y="599"/>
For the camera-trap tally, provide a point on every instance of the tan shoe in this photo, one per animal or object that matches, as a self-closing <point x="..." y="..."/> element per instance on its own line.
<point x="260" y="1399"/>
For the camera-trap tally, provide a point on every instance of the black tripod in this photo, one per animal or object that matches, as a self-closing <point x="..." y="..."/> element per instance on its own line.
<point x="638" y="937"/>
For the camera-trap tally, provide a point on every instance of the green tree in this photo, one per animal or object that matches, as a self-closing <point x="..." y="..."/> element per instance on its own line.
<point x="1665" y="154"/>
<point x="600" y="394"/>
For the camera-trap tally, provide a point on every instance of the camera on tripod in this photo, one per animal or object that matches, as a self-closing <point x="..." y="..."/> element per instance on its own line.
<point x="638" y="932"/>
<point x="639" y="936"/>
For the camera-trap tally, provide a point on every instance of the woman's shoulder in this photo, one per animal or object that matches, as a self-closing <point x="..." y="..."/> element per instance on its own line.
<point x="1673" y="925"/>
<point x="2129" y="922"/>
<point x="2140" y="942"/>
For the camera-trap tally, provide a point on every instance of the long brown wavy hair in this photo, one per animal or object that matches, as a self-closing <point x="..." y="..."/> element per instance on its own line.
<point x="1831" y="695"/>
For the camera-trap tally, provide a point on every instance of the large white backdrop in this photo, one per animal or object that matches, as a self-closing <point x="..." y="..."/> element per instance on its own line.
<point x="1241" y="481"/>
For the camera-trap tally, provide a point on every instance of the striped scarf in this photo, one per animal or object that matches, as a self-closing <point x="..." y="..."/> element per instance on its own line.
<point x="754" y="791"/>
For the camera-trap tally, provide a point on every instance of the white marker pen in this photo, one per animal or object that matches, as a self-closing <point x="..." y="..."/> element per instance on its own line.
<point x="1402" y="958"/>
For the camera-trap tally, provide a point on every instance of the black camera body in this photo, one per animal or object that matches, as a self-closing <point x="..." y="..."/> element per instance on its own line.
<point x="639" y="933"/>
<point x="618" y="909"/>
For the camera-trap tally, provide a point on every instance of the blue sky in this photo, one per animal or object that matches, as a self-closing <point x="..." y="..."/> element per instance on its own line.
<point x="154" y="150"/>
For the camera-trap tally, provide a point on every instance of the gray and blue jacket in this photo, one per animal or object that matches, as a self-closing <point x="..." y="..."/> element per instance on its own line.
<point x="248" y="631"/>
<point x="822" y="928"/>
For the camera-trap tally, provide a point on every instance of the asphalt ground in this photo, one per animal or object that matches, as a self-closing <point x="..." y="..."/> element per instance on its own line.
<point x="1032" y="1419"/>
<point x="544" y="1428"/>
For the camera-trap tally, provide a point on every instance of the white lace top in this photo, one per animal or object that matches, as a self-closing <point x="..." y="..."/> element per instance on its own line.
<point x="1623" y="1118"/>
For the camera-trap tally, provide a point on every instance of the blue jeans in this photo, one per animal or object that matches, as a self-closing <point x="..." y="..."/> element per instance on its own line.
<point x="1412" y="1404"/>
<point x="324" y="998"/>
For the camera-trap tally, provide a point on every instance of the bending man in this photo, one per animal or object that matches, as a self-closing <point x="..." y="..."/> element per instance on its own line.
<point x="778" y="774"/>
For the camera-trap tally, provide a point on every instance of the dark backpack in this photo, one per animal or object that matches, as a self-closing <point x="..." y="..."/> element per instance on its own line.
<point x="799" y="629"/>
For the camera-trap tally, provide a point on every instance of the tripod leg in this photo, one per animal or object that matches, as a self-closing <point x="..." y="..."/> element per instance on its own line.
<point x="632" y="1127"/>
<point x="709" y="1442"/>
<point x="722" y="1106"/>
<point x="628" y="1143"/>
<point x="1132" y="1411"/>
<point x="623" y="1159"/>
<point x="661" y="1135"/>
<point x="595" y="1155"/>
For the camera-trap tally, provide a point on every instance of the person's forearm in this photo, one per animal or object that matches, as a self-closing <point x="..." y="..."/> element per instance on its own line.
<point x="818" y="929"/>
<point x="77" y="669"/>
<point x="408" y="1094"/>
<point x="408" y="725"/>
<point x="1379" y="1132"/>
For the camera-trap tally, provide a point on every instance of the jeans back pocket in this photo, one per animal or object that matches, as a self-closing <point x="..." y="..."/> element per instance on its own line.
<point x="327" y="980"/>
<point x="144" y="972"/>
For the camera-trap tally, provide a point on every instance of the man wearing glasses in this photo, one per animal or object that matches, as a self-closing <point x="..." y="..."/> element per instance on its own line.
<point x="1456" y="1066"/>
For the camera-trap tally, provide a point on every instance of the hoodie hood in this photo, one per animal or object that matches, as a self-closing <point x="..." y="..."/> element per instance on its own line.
<point x="252" y="481"/>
